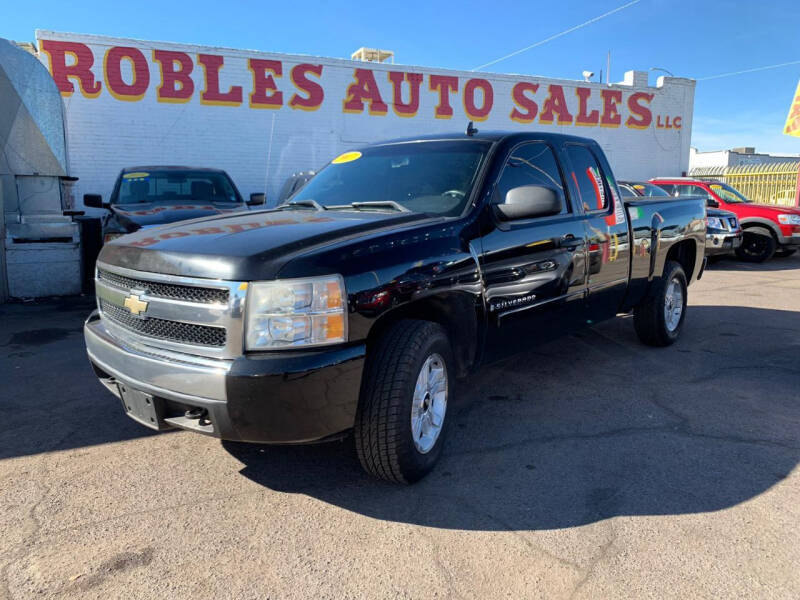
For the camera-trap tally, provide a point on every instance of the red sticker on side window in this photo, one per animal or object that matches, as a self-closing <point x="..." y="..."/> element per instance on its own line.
<point x="599" y="189"/>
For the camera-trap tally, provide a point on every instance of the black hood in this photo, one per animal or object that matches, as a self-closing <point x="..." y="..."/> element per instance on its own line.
<point x="245" y="246"/>
<point x="719" y="213"/>
<point x="133" y="216"/>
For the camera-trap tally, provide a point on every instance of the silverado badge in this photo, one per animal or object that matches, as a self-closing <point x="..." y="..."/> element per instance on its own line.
<point x="133" y="304"/>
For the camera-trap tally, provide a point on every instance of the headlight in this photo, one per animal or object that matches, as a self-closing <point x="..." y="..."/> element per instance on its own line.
<point x="715" y="223"/>
<point x="296" y="312"/>
<point x="785" y="219"/>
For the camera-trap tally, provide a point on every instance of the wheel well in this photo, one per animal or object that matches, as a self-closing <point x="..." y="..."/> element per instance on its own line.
<point x="456" y="313"/>
<point x="685" y="254"/>
<point x="763" y="227"/>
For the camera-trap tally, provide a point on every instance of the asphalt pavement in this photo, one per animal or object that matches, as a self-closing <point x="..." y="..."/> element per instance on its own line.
<point x="590" y="467"/>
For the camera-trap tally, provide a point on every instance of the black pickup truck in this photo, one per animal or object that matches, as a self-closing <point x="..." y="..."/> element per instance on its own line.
<point x="398" y="268"/>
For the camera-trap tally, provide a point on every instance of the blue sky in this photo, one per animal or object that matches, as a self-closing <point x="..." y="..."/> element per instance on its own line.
<point x="690" y="38"/>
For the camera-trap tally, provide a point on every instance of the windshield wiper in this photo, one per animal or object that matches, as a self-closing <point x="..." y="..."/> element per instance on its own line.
<point x="302" y="203"/>
<point x="390" y="204"/>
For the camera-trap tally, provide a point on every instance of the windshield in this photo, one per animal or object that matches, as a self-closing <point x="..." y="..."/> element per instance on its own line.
<point x="426" y="177"/>
<point x="174" y="186"/>
<point x="728" y="194"/>
<point x="648" y="189"/>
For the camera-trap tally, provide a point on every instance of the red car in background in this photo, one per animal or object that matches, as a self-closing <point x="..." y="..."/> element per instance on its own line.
<point x="768" y="230"/>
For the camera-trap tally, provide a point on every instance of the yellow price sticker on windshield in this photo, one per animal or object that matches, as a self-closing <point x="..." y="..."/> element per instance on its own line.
<point x="346" y="158"/>
<point x="135" y="175"/>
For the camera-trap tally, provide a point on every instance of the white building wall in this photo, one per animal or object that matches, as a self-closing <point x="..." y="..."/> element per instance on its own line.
<point x="729" y="158"/>
<point x="260" y="148"/>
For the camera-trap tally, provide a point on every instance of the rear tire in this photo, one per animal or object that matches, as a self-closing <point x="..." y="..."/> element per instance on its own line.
<point x="658" y="320"/>
<point x="401" y="419"/>
<point x="784" y="252"/>
<point x="756" y="247"/>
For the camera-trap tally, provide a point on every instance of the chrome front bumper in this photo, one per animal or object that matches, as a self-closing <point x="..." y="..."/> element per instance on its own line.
<point x="159" y="372"/>
<point x="723" y="242"/>
<point x="281" y="398"/>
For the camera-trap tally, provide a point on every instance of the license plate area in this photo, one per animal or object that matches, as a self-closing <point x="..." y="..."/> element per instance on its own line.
<point x="141" y="407"/>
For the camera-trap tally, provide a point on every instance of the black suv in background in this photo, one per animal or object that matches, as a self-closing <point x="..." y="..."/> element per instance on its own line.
<point x="148" y="196"/>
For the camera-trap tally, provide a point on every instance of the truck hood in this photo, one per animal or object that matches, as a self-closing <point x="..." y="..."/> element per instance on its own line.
<point x="133" y="216"/>
<point x="247" y="246"/>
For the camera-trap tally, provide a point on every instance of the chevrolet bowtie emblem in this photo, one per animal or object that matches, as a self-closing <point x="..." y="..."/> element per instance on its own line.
<point x="133" y="304"/>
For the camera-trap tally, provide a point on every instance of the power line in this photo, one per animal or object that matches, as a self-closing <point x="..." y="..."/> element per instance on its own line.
<point x="732" y="73"/>
<point x="557" y="35"/>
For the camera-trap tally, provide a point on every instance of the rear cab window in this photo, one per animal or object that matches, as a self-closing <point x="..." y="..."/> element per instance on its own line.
<point x="593" y="189"/>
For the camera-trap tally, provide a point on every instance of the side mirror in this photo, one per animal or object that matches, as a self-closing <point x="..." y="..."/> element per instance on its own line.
<point x="711" y="202"/>
<point x="257" y="199"/>
<point x="529" y="201"/>
<point x="93" y="201"/>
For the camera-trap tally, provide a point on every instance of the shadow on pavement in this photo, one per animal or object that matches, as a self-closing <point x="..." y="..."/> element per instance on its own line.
<point x="731" y="263"/>
<point x="49" y="397"/>
<point x="589" y="427"/>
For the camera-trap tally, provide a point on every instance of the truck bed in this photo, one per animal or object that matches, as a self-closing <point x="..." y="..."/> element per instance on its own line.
<point x="658" y="229"/>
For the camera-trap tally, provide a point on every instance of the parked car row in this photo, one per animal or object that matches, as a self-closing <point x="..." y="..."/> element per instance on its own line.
<point x="767" y="231"/>
<point x="723" y="231"/>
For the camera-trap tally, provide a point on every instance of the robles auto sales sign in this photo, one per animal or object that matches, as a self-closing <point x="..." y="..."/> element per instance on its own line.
<point x="72" y="66"/>
<point x="328" y="105"/>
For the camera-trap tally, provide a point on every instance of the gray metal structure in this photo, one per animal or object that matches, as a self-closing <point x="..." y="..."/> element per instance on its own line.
<point x="39" y="246"/>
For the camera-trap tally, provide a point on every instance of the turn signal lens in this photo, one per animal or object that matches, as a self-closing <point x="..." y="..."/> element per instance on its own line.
<point x="296" y="312"/>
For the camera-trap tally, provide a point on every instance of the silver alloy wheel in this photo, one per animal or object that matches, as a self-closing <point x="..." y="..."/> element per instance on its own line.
<point x="673" y="304"/>
<point x="429" y="403"/>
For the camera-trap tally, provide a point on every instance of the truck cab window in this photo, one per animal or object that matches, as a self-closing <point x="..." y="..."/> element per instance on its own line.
<point x="531" y="164"/>
<point x="589" y="178"/>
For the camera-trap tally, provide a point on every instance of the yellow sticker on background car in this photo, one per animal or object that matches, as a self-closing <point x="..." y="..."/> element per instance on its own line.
<point x="346" y="158"/>
<point x="135" y="175"/>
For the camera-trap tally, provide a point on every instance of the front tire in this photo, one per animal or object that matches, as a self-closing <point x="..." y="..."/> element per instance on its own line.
<point x="756" y="247"/>
<point x="658" y="320"/>
<point x="401" y="417"/>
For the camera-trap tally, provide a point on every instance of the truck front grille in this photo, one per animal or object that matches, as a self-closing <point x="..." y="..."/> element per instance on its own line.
<point x="174" y="331"/>
<point x="193" y="315"/>
<point x="186" y="293"/>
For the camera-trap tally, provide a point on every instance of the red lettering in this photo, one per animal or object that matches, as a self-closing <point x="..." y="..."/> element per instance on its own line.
<point x="523" y="102"/>
<point x="265" y="92"/>
<point x="176" y="82"/>
<point x="472" y="110"/>
<point x="212" y="64"/>
<point x="149" y="241"/>
<point x="242" y="227"/>
<point x="174" y="234"/>
<point x="410" y="108"/>
<point x="208" y="230"/>
<point x="444" y="84"/>
<point x="640" y="117"/>
<point x="313" y="90"/>
<point x="80" y="69"/>
<point x="585" y="119"/>
<point x="112" y="68"/>
<point x="555" y="107"/>
<point x="364" y="89"/>
<point x="611" y="116"/>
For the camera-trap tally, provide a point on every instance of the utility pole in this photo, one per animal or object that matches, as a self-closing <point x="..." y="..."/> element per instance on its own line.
<point x="608" y="68"/>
